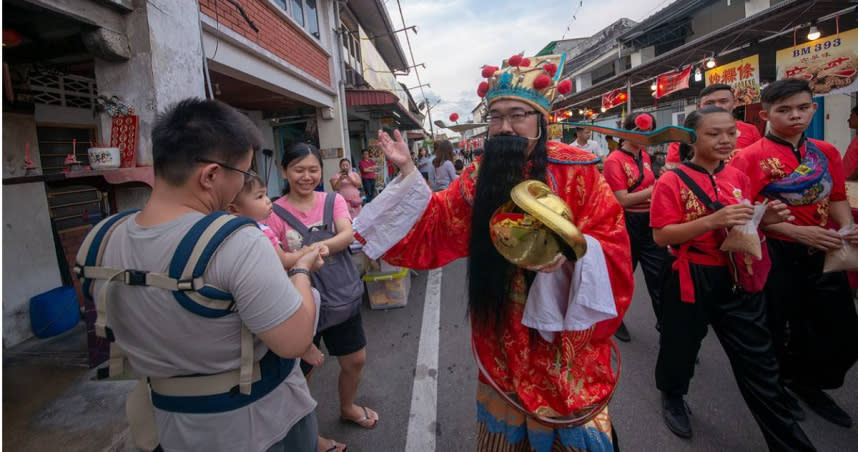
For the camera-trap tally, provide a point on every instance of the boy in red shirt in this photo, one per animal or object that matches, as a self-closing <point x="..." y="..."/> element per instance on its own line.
<point x="811" y="314"/>
<point x="718" y="95"/>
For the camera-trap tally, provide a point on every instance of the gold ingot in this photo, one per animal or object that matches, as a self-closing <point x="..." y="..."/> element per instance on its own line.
<point x="535" y="227"/>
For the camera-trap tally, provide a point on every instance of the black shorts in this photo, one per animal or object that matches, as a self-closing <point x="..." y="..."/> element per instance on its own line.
<point x="340" y="340"/>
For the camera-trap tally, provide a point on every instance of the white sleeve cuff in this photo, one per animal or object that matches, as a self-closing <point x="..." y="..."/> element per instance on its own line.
<point x="573" y="298"/>
<point x="387" y="219"/>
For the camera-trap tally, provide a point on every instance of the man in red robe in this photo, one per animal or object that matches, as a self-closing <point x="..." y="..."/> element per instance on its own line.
<point x="557" y="370"/>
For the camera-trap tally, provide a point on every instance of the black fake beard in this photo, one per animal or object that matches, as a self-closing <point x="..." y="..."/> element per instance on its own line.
<point x="489" y="273"/>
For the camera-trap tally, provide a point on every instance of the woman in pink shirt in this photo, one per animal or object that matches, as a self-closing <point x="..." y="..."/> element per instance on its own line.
<point x="302" y="169"/>
<point x="347" y="183"/>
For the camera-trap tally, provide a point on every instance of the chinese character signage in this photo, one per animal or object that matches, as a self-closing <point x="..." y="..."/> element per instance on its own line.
<point x="829" y="64"/>
<point x="743" y="76"/>
<point x="671" y="82"/>
<point x="614" y="98"/>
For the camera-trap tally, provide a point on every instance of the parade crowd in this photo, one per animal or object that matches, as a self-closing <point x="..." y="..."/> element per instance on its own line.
<point x="242" y="303"/>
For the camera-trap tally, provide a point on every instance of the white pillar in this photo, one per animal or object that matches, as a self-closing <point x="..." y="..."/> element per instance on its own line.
<point x="332" y="139"/>
<point x="837" y="109"/>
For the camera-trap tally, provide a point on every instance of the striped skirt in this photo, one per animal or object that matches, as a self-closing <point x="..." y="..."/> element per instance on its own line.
<point x="502" y="428"/>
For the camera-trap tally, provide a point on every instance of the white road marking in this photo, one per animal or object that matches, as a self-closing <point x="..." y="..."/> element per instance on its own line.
<point x="424" y="393"/>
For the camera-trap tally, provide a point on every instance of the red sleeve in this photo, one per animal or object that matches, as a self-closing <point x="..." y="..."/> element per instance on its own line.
<point x="443" y="232"/>
<point x="749" y="135"/>
<point x="746" y="163"/>
<point x="599" y="215"/>
<point x="835" y="166"/>
<point x="614" y="175"/>
<point x="672" y="153"/>
<point x="666" y="207"/>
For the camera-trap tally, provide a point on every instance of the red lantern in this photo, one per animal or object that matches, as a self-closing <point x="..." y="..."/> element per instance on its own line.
<point x="454" y="117"/>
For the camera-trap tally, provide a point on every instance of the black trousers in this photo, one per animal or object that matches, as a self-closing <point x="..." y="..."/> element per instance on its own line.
<point x="811" y="316"/>
<point x="739" y="321"/>
<point x="651" y="256"/>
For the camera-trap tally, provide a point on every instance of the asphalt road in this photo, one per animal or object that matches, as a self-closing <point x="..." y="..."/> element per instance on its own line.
<point x="720" y="420"/>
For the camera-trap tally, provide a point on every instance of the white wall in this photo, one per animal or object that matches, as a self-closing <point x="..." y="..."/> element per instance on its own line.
<point x="30" y="260"/>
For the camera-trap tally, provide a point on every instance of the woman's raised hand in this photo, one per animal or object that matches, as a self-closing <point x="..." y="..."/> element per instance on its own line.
<point x="396" y="150"/>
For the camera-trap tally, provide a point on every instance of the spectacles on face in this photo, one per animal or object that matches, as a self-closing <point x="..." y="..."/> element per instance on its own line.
<point x="247" y="174"/>
<point x="516" y="117"/>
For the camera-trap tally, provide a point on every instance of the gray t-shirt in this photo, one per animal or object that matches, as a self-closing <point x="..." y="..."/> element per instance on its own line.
<point x="163" y="339"/>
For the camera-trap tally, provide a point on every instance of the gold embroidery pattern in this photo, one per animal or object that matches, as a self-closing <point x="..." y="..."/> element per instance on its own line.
<point x="823" y="209"/>
<point x="773" y="167"/>
<point x="631" y="177"/>
<point x="691" y="205"/>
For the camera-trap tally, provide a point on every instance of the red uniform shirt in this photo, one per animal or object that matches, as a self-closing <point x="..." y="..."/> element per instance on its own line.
<point x="674" y="203"/>
<point x="766" y="161"/>
<point x="747" y="134"/>
<point x="621" y="172"/>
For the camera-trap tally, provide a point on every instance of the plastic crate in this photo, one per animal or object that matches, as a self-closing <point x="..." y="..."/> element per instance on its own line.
<point x="388" y="289"/>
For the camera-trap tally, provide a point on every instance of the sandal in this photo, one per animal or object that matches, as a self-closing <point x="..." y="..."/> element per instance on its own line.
<point x="362" y="421"/>
<point x="335" y="447"/>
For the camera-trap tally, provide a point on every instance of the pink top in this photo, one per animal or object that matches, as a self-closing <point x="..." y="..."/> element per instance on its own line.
<point x="850" y="158"/>
<point x="270" y="234"/>
<point x="291" y="238"/>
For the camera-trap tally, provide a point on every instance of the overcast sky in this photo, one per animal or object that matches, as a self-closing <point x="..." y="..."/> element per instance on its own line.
<point x="457" y="37"/>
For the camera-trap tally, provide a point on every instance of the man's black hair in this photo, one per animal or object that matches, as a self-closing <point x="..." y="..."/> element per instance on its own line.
<point x="195" y="129"/>
<point x="781" y="89"/>
<point x="855" y="110"/>
<point x="716" y="87"/>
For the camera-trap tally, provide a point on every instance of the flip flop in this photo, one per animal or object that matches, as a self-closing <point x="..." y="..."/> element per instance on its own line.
<point x="362" y="421"/>
<point x="335" y="445"/>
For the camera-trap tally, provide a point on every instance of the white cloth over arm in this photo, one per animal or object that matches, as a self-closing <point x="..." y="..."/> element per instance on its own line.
<point x="573" y="298"/>
<point x="387" y="219"/>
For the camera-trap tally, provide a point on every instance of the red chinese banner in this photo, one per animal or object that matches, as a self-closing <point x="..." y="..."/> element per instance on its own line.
<point x="123" y="135"/>
<point x="743" y="76"/>
<point x="671" y="82"/>
<point x="614" y="98"/>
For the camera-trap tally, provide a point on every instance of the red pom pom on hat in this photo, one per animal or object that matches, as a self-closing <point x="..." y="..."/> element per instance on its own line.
<point x="482" y="89"/>
<point x="489" y="71"/>
<point x="564" y="87"/>
<point x="454" y="117"/>
<point x="541" y="82"/>
<point x="525" y="62"/>
<point x="551" y="68"/>
<point x="514" y="60"/>
<point x="643" y="122"/>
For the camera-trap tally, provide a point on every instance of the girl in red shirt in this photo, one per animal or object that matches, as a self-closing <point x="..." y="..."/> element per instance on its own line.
<point x="700" y="289"/>
<point x="628" y="172"/>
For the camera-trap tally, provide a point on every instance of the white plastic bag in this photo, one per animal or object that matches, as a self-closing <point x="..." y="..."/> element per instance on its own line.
<point x="845" y="258"/>
<point x="745" y="238"/>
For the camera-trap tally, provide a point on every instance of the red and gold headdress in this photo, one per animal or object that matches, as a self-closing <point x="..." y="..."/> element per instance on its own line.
<point x="534" y="80"/>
